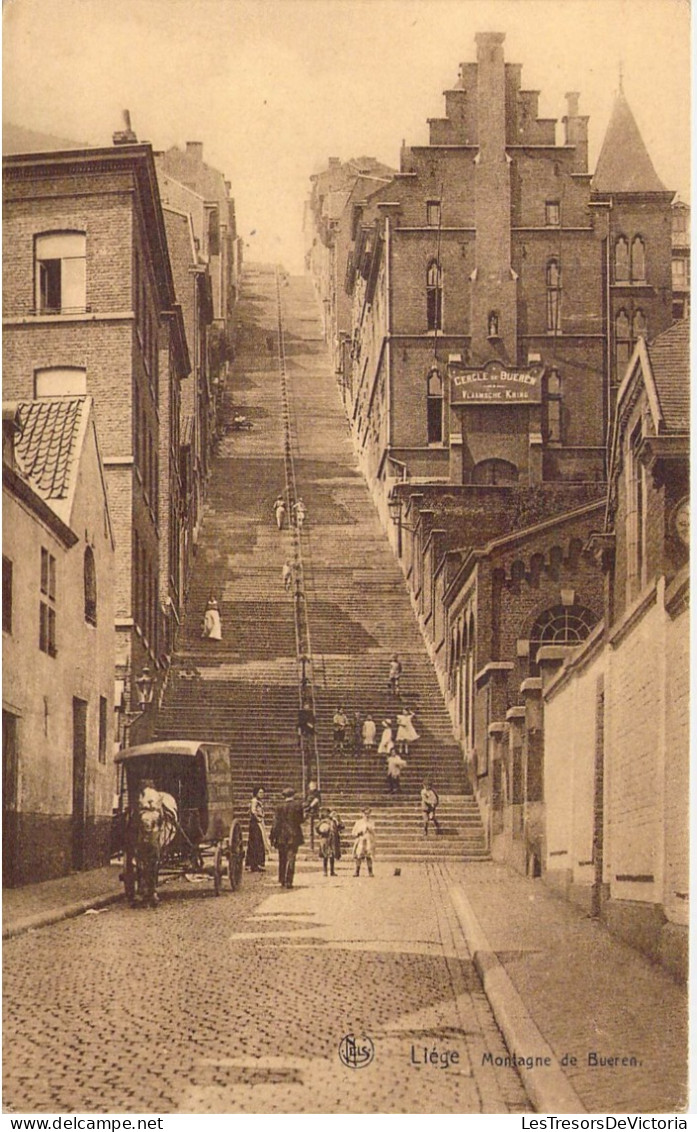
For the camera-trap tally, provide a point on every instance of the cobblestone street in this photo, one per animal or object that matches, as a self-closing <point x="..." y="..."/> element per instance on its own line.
<point x="239" y="1004"/>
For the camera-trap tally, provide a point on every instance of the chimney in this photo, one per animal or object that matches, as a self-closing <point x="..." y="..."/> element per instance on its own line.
<point x="194" y="149"/>
<point x="126" y="136"/>
<point x="572" y="104"/>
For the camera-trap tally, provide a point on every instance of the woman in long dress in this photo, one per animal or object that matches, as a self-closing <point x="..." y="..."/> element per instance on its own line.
<point x="406" y="732"/>
<point x="386" y="740"/>
<point x="212" y="627"/>
<point x="258" y="838"/>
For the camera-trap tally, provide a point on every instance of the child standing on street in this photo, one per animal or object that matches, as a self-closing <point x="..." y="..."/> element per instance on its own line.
<point x="363" y="834"/>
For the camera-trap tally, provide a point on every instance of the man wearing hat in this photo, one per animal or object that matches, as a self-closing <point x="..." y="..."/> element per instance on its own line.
<point x="287" y="835"/>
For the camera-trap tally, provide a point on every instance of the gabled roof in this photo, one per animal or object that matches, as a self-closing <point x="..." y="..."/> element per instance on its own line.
<point x="624" y="165"/>
<point x="48" y="447"/>
<point x="669" y="355"/>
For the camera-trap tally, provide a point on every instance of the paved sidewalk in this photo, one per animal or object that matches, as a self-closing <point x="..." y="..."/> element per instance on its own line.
<point x="577" y="989"/>
<point x="35" y="905"/>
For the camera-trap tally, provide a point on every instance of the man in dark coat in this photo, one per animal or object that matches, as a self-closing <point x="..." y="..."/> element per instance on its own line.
<point x="287" y="835"/>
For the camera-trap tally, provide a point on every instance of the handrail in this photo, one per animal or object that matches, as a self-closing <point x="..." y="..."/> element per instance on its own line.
<point x="303" y="644"/>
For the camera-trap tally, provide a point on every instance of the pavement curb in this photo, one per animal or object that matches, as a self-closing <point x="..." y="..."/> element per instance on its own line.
<point x="548" y="1088"/>
<point x="55" y="915"/>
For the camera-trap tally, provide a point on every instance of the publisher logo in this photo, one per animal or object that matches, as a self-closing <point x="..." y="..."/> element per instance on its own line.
<point x="355" y="1052"/>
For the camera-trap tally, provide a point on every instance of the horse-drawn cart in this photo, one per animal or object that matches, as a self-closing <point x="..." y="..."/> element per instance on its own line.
<point x="196" y="830"/>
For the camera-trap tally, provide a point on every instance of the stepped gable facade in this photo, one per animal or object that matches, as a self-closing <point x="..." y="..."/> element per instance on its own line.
<point x="614" y="719"/>
<point x="89" y="307"/>
<point x="58" y="641"/>
<point x="497" y="286"/>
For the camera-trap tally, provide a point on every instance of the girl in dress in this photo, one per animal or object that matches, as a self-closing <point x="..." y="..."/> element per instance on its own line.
<point x="212" y="627"/>
<point x="386" y="741"/>
<point x="258" y="839"/>
<point x="406" y="732"/>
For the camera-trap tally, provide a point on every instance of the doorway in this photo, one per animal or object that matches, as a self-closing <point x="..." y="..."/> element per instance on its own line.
<point x="79" y="781"/>
<point x="10" y="781"/>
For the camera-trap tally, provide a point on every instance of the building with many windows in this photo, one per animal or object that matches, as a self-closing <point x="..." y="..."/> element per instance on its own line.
<point x="89" y="308"/>
<point x="498" y="289"/>
<point x="58" y="587"/>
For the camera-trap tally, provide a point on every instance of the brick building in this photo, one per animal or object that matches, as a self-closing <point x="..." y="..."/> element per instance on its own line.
<point x="498" y="288"/>
<point x="615" y="712"/>
<point x="58" y="641"/>
<point x="495" y="249"/>
<point x="89" y="307"/>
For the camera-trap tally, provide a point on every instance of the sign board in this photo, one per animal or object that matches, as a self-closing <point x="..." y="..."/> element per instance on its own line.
<point x="497" y="384"/>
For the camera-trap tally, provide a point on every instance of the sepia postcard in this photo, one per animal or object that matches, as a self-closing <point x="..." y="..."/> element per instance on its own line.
<point x="345" y="586"/>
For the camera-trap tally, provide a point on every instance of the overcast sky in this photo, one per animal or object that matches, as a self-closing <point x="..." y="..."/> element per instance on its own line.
<point x="273" y="87"/>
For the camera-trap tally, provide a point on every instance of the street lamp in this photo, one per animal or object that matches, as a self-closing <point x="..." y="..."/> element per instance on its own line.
<point x="394" y="504"/>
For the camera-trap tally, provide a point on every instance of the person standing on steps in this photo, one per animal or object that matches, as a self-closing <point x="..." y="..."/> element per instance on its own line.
<point x="395" y="672"/>
<point x="339" y="724"/>
<point x="287" y="835"/>
<point x="363" y="834"/>
<point x="395" y="766"/>
<point x="257" y="839"/>
<point x="386" y="741"/>
<point x="212" y="627"/>
<point x="429" y="805"/>
<point x="300" y="513"/>
<point x="279" y="510"/>
<point x="287" y="576"/>
<point x="406" y="732"/>
<point x="368" y="733"/>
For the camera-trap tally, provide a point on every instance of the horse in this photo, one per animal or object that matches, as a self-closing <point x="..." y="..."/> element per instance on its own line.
<point x="152" y="826"/>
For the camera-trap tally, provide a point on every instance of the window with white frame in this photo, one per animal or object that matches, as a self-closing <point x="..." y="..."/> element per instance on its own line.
<point x="553" y="280"/>
<point x="433" y="213"/>
<point x="60" y="272"/>
<point x="434" y="406"/>
<point x="552" y="213"/>
<point x="434" y="296"/>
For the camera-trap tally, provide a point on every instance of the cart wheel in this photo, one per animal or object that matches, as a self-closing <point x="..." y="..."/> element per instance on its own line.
<point x="236" y="856"/>
<point x="218" y="869"/>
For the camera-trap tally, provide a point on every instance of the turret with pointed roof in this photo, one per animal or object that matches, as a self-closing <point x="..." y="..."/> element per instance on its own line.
<point x="624" y="165"/>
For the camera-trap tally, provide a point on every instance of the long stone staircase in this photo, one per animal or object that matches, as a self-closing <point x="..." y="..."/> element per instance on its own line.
<point x="243" y="690"/>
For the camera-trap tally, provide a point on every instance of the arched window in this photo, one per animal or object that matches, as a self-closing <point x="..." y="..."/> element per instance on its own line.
<point x="434" y="406"/>
<point x="553" y="277"/>
<point x="60" y="272"/>
<point x="621" y="260"/>
<point x="90" y="576"/>
<point x="638" y="260"/>
<point x="638" y="326"/>
<point x="494" y="472"/>
<point x="623" y="344"/>
<point x="434" y="296"/>
<point x="57" y="381"/>
<point x="560" y="625"/>
<point x="553" y="407"/>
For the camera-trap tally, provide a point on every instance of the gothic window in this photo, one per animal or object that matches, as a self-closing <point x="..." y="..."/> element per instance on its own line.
<point x="60" y="272"/>
<point x="553" y="405"/>
<point x="553" y="276"/>
<point x="560" y="625"/>
<point x="621" y="260"/>
<point x="434" y="406"/>
<point x="47" y="604"/>
<point x="638" y="260"/>
<point x="638" y="326"/>
<point x="90" y="578"/>
<point x="434" y="296"/>
<point x="623" y="344"/>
